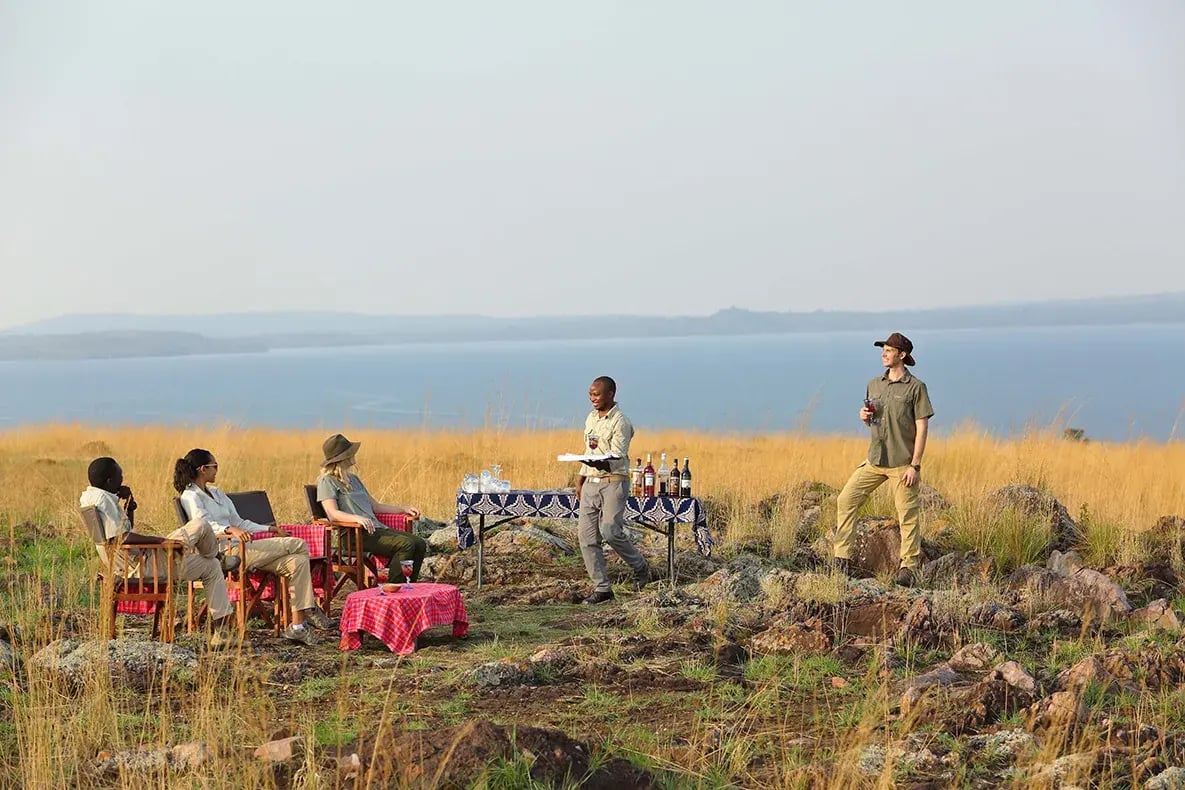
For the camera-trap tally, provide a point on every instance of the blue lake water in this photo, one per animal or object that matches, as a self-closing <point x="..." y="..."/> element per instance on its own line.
<point x="1117" y="383"/>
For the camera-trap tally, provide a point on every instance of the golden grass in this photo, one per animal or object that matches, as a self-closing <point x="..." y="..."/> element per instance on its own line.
<point x="43" y="469"/>
<point x="1123" y="487"/>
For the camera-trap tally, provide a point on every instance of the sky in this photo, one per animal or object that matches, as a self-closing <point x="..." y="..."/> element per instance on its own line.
<point x="543" y="158"/>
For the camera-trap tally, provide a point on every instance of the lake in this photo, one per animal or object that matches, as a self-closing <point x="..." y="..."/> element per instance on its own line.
<point x="1116" y="383"/>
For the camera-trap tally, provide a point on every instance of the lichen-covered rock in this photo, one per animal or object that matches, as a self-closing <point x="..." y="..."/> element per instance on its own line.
<point x="1168" y="779"/>
<point x="1158" y="614"/>
<point x="976" y="657"/>
<point x="1035" y="503"/>
<point x="991" y="614"/>
<point x="1061" y="621"/>
<point x="788" y="638"/>
<point x="956" y="569"/>
<point x="134" y="663"/>
<point x="1002" y="747"/>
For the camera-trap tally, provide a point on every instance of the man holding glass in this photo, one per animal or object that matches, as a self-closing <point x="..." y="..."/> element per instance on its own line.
<point x="602" y="488"/>
<point x="897" y="409"/>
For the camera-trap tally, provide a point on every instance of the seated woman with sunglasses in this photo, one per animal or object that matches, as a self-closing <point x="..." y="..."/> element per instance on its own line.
<point x="344" y="498"/>
<point x="193" y="477"/>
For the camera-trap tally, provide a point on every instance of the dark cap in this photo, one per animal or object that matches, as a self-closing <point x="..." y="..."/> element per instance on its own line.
<point x="901" y="343"/>
<point x="338" y="448"/>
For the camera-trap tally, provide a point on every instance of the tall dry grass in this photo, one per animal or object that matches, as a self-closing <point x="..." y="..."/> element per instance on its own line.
<point x="43" y="469"/>
<point x="1123" y="487"/>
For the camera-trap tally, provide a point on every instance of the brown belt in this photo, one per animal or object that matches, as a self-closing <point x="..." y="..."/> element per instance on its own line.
<point x="608" y="479"/>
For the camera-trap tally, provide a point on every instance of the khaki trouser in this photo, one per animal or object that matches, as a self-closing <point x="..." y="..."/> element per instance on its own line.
<point x="602" y="518"/>
<point x="288" y="557"/>
<point x="866" y="479"/>
<point x="200" y="564"/>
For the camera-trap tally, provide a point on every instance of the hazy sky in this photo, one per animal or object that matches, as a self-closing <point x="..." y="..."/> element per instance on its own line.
<point x="544" y="158"/>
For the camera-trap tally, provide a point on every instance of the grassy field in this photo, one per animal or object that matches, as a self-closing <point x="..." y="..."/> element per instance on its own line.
<point x="691" y="723"/>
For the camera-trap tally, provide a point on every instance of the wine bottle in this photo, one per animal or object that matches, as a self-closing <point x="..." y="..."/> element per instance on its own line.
<point x="636" y="479"/>
<point x="676" y="483"/>
<point x="648" y="477"/>
<point x="685" y="479"/>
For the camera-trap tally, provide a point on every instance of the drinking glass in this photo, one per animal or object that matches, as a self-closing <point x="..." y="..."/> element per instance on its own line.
<point x="470" y="485"/>
<point x="593" y="442"/>
<point x="406" y="566"/>
<point x="874" y="406"/>
<point x="487" y="481"/>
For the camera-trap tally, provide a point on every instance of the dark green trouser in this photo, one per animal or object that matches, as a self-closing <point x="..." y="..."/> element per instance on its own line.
<point x="397" y="546"/>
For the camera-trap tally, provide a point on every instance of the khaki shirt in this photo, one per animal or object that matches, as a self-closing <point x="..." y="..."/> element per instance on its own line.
<point x="614" y="432"/>
<point x="902" y="403"/>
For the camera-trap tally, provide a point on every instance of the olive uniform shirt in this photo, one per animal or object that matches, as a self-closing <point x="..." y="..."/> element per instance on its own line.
<point x="613" y="432"/>
<point x="902" y="403"/>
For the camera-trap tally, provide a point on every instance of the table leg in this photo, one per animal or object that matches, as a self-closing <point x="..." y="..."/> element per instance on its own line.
<point x="671" y="553"/>
<point x="481" y="548"/>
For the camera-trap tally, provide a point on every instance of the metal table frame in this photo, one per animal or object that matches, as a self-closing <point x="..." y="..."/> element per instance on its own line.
<point x="482" y="527"/>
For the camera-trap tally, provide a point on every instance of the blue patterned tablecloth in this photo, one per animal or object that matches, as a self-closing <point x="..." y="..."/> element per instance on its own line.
<point x="656" y="510"/>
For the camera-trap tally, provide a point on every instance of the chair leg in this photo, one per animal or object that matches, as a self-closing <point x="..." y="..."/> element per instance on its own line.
<point x="190" y="613"/>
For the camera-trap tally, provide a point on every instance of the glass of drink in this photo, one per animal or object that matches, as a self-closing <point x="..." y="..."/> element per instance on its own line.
<point x="406" y="566"/>
<point x="873" y="405"/>
<point x="592" y="442"/>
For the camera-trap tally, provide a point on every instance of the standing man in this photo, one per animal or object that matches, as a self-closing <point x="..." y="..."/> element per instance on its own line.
<point x="602" y="489"/>
<point x="897" y="409"/>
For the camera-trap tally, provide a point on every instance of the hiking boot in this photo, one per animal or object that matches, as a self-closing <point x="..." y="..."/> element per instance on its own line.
<point x="642" y="579"/>
<point x="303" y="635"/>
<point x="906" y="577"/>
<point x="598" y="596"/>
<point x="230" y="562"/>
<point x="316" y="618"/>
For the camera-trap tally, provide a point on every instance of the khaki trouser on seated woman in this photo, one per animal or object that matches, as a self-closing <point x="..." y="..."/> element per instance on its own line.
<point x="287" y="557"/>
<point x="199" y="564"/>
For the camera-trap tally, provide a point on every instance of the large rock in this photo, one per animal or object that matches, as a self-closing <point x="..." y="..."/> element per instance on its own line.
<point x="182" y="757"/>
<point x="956" y="569"/>
<point x="914" y="688"/>
<point x="996" y="615"/>
<point x="791" y="638"/>
<point x="876" y="546"/>
<point x="1067" y="583"/>
<point x="1035" y="503"/>
<point x="875" y="619"/>
<point x="1062" y="712"/>
<point x="1002" y="747"/>
<point x="137" y="664"/>
<point x="739" y="580"/>
<point x="976" y="657"/>
<point x="1168" y="779"/>
<point x="528" y="540"/>
<point x="281" y="750"/>
<point x="444" y="539"/>
<point x="1157" y="615"/>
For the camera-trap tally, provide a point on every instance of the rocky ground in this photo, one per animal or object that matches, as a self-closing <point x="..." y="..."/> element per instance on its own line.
<point x="750" y="671"/>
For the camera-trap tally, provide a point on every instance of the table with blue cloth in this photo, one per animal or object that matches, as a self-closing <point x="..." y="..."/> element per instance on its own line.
<point x="659" y="514"/>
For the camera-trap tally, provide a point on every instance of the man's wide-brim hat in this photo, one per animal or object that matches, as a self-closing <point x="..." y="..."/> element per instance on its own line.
<point x="339" y="448"/>
<point x="899" y="342"/>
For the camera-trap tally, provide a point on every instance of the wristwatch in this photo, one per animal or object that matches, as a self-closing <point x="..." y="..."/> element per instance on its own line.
<point x="917" y="466"/>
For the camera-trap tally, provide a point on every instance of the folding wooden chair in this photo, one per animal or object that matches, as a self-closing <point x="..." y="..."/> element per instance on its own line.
<point x="350" y="562"/>
<point x="245" y="589"/>
<point x="255" y="506"/>
<point x="134" y="579"/>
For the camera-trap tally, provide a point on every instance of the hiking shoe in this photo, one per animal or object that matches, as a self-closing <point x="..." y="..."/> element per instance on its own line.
<point x="316" y="618"/>
<point x="303" y="635"/>
<point x="905" y="577"/>
<point x="598" y="596"/>
<point x="230" y="562"/>
<point x="642" y="579"/>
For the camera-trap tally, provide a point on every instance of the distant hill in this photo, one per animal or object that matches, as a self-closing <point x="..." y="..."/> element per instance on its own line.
<point x="89" y="336"/>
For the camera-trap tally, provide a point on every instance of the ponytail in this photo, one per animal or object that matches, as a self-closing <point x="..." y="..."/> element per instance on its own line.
<point x="185" y="469"/>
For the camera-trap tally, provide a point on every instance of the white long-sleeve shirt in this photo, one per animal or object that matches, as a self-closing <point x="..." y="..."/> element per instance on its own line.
<point x="216" y="508"/>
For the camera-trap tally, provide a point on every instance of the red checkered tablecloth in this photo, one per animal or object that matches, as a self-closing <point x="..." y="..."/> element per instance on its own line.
<point x="397" y="521"/>
<point x="398" y="618"/>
